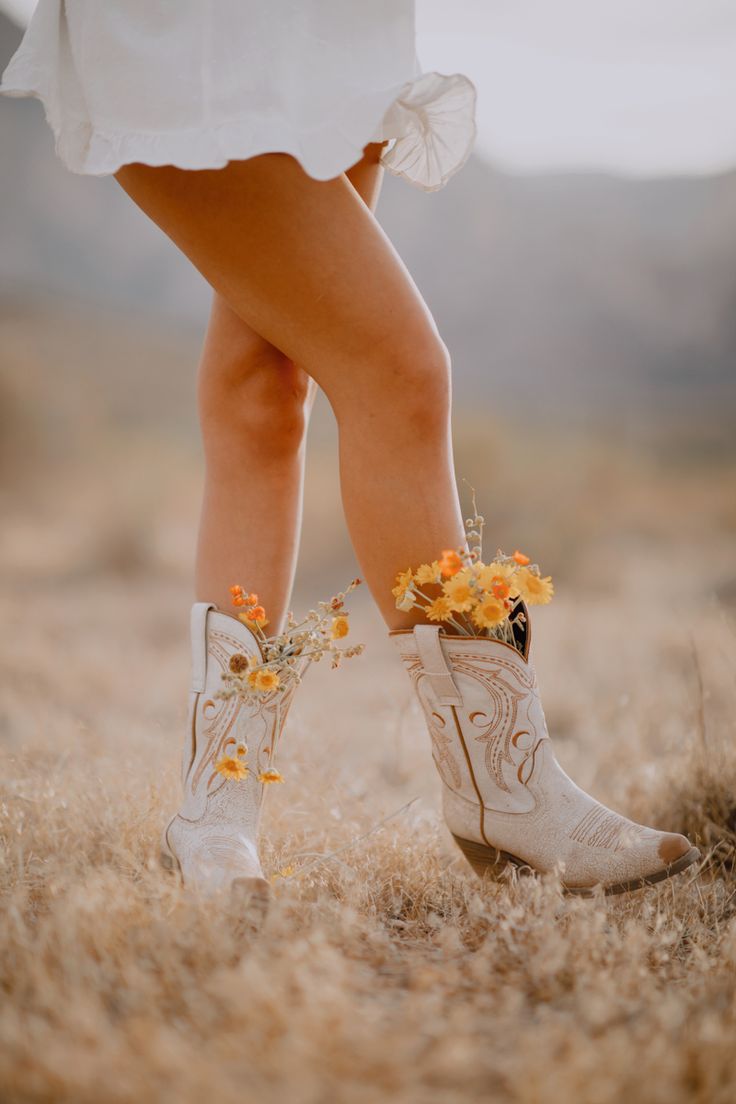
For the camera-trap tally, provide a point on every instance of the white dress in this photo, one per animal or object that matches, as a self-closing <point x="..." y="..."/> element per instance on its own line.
<point x="198" y="83"/>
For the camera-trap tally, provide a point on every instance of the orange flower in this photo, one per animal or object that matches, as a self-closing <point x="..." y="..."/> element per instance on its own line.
<point x="251" y="599"/>
<point x="499" y="587"/>
<point x="521" y="558"/>
<point x="238" y="600"/>
<point x="450" y="563"/>
<point x="256" y="613"/>
<point x="236" y="590"/>
<point x="252" y="622"/>
<point x="242" y="749"/>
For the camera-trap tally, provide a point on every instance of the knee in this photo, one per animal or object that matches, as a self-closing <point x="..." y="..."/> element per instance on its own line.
<point x="255" y="402"/>
<point x="419" y="384"/>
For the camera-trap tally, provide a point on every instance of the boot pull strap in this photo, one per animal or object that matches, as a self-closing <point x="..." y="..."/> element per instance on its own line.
<point x="436" y="668"/>
<point x="199" y="644"/>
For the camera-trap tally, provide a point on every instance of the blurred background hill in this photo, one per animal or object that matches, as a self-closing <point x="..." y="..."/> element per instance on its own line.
<point x="576" y="290"/>
<point x="591" y="320"/>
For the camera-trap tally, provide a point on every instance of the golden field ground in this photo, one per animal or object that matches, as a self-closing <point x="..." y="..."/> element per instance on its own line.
<point x="386" y="971"/>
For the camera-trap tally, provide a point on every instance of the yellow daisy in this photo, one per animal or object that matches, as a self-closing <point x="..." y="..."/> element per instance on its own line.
<point x="403" y="581"/>
<point x="265" y="679"/>
<point x="285" y="872"/>
<point x="439" y="610"/>
<point x="233" y="768"/>
<point x="340" y="628"/>
<point x="489" y="612"/>
<point x="488" y="573"/>
<point x="459" y="591"/>
<point x="533" y="588"/>
<point x="427" y="573"/>
<point x="270" y="774"/>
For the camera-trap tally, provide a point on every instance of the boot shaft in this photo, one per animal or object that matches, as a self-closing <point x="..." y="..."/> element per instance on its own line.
<point x="219" y="727"/>
<point x="482" y="707"/>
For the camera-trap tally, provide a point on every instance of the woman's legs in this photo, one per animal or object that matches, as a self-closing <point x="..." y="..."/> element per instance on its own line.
<point x="254" y="407"/>
<point x="308" y="268"/>
<point x="306" y="265"/>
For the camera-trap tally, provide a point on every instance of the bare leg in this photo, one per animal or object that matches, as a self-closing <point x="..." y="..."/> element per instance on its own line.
<point x="306" y="265"/>
<point x="254" y="408"/>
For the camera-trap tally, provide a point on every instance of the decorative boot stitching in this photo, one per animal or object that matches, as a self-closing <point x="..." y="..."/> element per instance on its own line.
<point x="602" y="828"/>
<point x="193" y="735"/>
<point x="472" y="776"/>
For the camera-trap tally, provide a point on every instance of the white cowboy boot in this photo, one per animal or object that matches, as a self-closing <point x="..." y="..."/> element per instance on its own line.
<point x="213" y="839"/>
<point x="505" y="797"/>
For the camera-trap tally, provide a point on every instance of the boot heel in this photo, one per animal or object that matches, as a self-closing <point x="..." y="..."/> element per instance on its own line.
<point x="489" y="860"/>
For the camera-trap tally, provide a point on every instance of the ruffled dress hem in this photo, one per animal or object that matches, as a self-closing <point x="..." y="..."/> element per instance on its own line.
<point x="429" y="122"/>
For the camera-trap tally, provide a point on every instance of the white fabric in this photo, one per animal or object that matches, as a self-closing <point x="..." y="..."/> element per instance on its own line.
<point x="197" y="83"/>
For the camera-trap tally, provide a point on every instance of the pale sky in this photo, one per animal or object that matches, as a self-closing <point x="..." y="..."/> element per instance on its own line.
<point x="633" y="86"/>
<point x="643" y="87"/>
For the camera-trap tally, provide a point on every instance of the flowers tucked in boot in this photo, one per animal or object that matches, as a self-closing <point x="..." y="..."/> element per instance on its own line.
<point x="506" y="800"/>
<point x="243" y="683"/>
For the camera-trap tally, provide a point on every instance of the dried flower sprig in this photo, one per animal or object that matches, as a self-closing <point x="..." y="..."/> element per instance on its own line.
<point x="283" y="660"/>
<point x="285" y="657"/>
<point x="471" y="597"/>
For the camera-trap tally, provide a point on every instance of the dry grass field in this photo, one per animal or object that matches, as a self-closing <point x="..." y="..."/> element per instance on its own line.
<point x="385" y="970"/>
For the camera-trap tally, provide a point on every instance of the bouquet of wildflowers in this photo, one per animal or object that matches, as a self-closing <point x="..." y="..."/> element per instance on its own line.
<point x="262" y="680"/>
<point x="285" y="657"/>
<point x="471" y="597"/>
